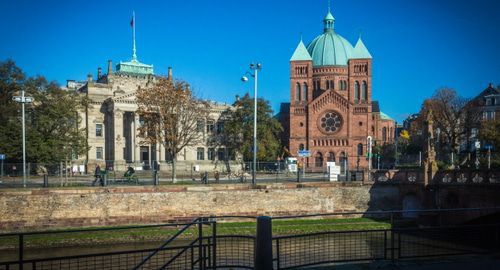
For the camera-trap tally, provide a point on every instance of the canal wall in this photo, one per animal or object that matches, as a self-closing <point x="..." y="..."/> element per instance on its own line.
<point x="33" y="209"/>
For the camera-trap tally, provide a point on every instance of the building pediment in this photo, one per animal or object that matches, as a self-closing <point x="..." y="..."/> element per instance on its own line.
<point x="330" y="99"/>
<point x="125" y="98"/>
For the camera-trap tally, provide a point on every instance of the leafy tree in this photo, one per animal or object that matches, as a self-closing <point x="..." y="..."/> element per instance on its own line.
<point x="52" y="122"/>
<point x="171" y="113"/>
<point x="238" y="129"/>
<point x="490" y="132"/>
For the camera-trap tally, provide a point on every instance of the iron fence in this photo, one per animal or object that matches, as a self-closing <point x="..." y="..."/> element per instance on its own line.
<point x="76" y="175"/>
<point x="200" y="244"/>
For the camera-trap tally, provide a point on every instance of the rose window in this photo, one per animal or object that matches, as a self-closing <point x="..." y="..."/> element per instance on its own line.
<point x="330" y="122"/>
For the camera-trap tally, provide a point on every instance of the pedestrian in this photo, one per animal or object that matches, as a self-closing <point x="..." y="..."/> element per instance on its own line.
<point x="216" y="175"/>
<point x="97" y="175"/>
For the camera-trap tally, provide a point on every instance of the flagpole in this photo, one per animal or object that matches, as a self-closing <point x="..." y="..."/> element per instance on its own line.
<point x="134" y="56"/>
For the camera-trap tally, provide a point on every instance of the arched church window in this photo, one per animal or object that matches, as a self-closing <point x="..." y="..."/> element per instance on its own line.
<point x="318" y="160"/>
<point x="304" y="91"/>
<point x="384" y="134"/>
<point x="360" y="149"/>
<point x="327" y="84"/>
<point x="331" y="157"/>
<point x="356" y="91"/>
<point x="364" y="92"/>
<point x="297" y="92"/>
<point x="332" y="84"/>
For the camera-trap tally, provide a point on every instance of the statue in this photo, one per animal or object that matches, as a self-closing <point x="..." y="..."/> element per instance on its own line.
<point x="430" y="165"/>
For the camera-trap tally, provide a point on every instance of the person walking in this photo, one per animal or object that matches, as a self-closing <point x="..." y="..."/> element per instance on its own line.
<point x="97" y="175"/>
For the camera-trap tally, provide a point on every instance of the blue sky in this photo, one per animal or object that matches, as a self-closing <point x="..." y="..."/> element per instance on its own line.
<point x="417" y="46"/>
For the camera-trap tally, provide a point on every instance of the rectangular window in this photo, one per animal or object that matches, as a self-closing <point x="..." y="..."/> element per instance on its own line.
<point x="210" y="126"/>
<point x="220" y="127"/>
<point x="98" y="130"/>
<point x="98" y="153"/>
<point x="488" y="101"/>
<point x="473" y="132"/>
<point x="211" y="154"/>
<point x="221" y="154"/>
<point x="200" y="153"/>
<point x="200" y="124"/>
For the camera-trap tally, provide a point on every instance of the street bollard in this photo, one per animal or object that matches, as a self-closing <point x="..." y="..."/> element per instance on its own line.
<point x="298" y="175"/>
<point x="263" y="259"/>
<point x="45" y="181"/>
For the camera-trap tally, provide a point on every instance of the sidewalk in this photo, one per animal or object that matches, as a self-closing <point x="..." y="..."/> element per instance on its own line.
<point x="486" y="262"/>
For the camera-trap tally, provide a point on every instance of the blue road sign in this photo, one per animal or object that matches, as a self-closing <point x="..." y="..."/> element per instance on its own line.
<point x="2" y="156"/>
<point x="304" y="153"/>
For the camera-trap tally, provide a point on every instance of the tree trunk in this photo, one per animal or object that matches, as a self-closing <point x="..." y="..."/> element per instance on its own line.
<point x="174" y="172"/>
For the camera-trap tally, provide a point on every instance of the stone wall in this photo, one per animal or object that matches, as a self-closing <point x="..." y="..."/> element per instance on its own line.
<point x="57" y="208"/>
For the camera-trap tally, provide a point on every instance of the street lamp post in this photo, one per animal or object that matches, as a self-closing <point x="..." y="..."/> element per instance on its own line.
<point x="255" y="68"/>
<point x="23" y="100"/>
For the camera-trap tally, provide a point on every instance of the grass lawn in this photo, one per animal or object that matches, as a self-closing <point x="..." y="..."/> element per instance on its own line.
<point x="153" y="234"/>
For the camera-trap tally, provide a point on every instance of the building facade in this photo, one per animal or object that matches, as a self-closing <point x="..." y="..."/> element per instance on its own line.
<point x="484" y="107"/>
<point x="112" y="124"/>
<point x="331" y="112"/>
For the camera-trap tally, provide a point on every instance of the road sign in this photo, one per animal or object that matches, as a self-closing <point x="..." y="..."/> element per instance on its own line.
<point x="22" y="99"/>
<point x="304" y="153"/>
<point x="478" y="144"/>
<point x="2" y="156"/>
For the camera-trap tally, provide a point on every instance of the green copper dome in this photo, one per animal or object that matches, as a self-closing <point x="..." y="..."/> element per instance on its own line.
<point x="329" y="48"/>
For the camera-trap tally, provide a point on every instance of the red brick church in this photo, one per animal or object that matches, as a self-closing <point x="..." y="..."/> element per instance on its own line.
<point x="331" y="112"/>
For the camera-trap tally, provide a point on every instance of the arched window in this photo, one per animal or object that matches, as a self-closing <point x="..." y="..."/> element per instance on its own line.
<point x="318" y="160"/>
<point x="331" y="157"/>
<point x="342" y="85"/>
<point x="332" y="84"/>
<point x="304" y="91"/>
<point x="327" y="84"/>
<point x="360" y="149"/>
<point x="356" y="91"/>
<point x="297" y="92"/>
<point x="384" y="134"/>
<point x="364" y="91"/>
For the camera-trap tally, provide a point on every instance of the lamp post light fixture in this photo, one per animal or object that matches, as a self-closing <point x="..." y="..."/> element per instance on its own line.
<point x="255" y="68"/>
<point x="23" y="100"/>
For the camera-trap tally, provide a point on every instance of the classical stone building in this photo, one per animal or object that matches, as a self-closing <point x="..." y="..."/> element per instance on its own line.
<point x="331" y="111"/>
<point x="111" y="122"/>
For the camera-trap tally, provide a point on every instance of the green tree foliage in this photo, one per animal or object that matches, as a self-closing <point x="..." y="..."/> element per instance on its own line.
<point x="52" y="121"/>
<point x="238" y="129"/>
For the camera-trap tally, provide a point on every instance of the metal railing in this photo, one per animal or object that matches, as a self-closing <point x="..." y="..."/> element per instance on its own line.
<point x="200" y="244"/>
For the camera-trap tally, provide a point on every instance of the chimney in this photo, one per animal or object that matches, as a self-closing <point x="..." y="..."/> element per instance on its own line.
<point x="169" y="74"/>
<point x="110" y="67"/>
<point x="99" y="73"/>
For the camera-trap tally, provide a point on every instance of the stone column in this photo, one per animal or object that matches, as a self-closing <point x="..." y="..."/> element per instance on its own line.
<point x="162" y="153"/>
<point x="119" y="140"/>
<point x="135" y="140"/>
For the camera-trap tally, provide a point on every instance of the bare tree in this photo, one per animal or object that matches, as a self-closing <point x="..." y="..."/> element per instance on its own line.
<point x="171" y="113"/>
<point x="452" y="114"/>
